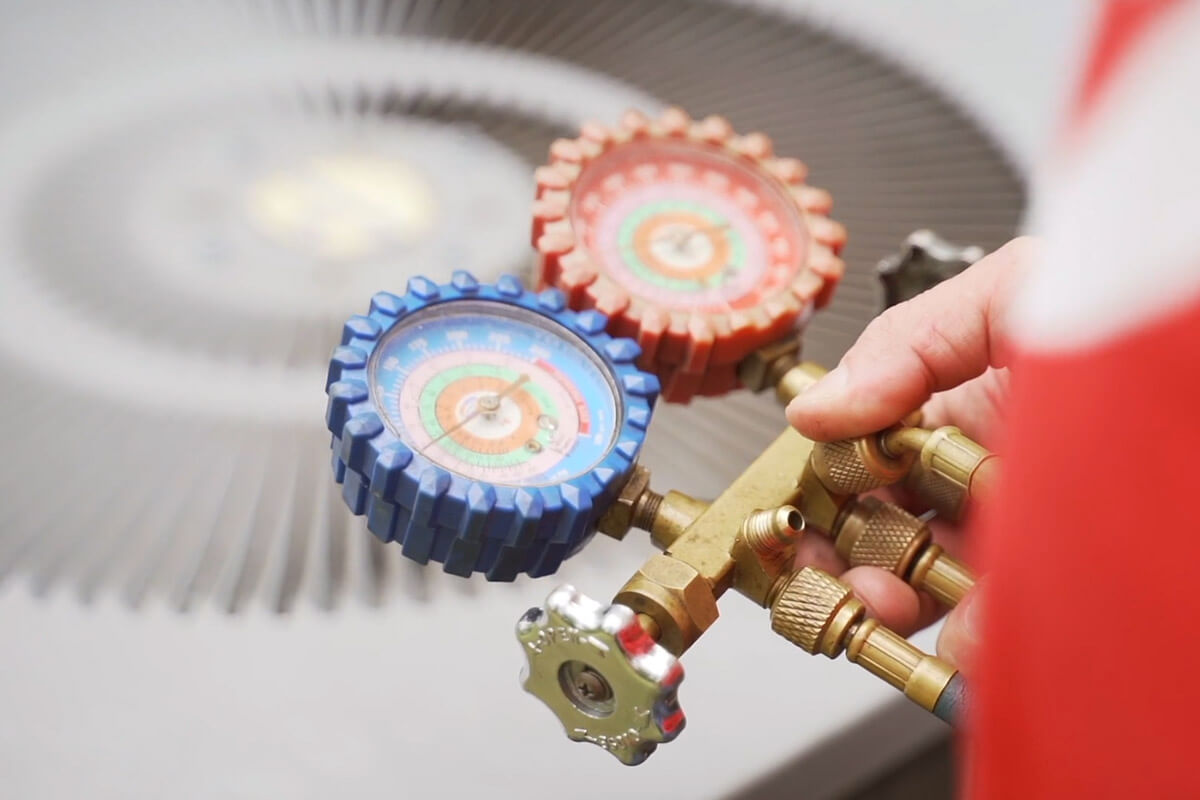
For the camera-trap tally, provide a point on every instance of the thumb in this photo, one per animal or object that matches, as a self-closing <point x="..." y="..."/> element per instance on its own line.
<point x="937" y="340"/>
<point x="958" y="643"/>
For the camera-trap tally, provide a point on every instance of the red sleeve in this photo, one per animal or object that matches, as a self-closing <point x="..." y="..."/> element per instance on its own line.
<point x="1088" y="684"/>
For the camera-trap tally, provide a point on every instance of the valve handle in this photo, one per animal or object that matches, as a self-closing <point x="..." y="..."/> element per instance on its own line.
<point x="925" y="261"/>
<point x="601" y="674"/>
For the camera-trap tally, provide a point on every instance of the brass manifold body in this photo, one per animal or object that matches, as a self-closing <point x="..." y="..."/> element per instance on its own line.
<point x="745" y="539"/>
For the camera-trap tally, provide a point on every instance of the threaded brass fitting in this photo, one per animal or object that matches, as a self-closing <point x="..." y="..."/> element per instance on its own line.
<point x="853" y="466"/>
<point x="773" y="533"/>
<point x="813" y="610"/>
<point x="796" y="379"/>
<point x="666" y="517"/>
<point x="872" y="533"/>
<point x="946" y="578"/>
<point x="819" y="613"/>
<point x="949" y="453"/>
<point x="946" y="498"/>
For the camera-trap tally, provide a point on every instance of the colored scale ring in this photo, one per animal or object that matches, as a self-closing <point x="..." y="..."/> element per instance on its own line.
<point x="435" y="514"/>
<point x="683" y="348"/>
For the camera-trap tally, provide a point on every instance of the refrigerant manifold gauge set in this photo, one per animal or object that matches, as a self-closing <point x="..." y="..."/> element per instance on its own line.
<point x="494" y="428"/>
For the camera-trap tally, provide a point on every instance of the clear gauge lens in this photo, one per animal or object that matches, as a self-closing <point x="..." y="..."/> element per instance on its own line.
<point x="688" y="226"/>
<point x="496" y="393"/>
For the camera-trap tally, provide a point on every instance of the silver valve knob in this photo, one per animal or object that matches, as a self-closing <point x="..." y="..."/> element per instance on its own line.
<point x="601" y="674"/>
<point x="925" y="261"/>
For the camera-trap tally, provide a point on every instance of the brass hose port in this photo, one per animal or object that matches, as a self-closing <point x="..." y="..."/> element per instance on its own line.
<point x="773" y="533"/>
<point x="872" y="533"/>
<point x="819" y="614"/>
<point x="948" y="453"/>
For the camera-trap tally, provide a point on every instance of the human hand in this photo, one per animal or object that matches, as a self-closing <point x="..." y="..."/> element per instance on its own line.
<point x="945" y="350"/>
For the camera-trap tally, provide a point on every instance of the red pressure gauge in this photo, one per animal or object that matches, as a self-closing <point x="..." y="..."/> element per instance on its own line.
<point x="695" y="241"/>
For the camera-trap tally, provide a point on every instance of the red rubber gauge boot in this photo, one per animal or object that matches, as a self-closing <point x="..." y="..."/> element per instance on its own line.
<point x="695" y="241"/>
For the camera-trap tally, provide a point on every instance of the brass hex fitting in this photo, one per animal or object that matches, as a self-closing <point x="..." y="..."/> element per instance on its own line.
<point x="947" y="579"/>
<point x="630" y="504"/>
<point x="820" y="614"/>
<point x="778" y="365"/>
<point x="762" y="369"/>
<point x="765" y="549"/>
<point x="873" y="533"/>
<point x="673" y="514"/>
<point x="796" y="379"/>
<point x="853" y="466"/>
<point x="676" y="596"/>
<point x="666" y="517"/>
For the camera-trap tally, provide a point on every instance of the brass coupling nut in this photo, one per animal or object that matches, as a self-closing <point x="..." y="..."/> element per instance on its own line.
<point x="818" y="613"/>
<point x="675" y="596"/>
<point x="814" y="611"/>
<point x="952" y="455"/>
<point x="949" y="453"/>
<point x="853" y="466"/>
<point x="763" y="368"/>
<point x="872" y="533"/>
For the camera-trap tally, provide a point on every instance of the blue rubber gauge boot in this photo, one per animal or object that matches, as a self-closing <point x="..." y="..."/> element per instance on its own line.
<point x="485" y="427"/>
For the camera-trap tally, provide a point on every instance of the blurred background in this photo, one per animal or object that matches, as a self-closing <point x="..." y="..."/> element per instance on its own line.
<point x="193" y="196"/>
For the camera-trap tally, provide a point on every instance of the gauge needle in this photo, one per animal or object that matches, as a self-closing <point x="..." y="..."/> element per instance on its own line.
<point x="687" y="235"/>
<point x="680" y="240"/>
<point x="481" y="408"/>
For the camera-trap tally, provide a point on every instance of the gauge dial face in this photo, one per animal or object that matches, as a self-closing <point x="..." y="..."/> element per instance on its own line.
<point x="496" y="393"/>
<point x="687" y="226"/>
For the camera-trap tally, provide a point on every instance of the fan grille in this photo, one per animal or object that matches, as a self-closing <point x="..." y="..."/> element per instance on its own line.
<point x="106" y="492"/>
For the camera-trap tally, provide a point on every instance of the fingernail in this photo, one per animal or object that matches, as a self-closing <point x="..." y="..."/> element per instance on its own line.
<point x="828" y="390"/>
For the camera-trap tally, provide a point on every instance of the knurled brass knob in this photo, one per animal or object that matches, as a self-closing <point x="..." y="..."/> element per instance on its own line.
<point x="944" y="496"/>
<point x="813" y="611"/>
<point x="818" y="613"/>
<point x="853" y="466"/>
<point x="873" y="533"/>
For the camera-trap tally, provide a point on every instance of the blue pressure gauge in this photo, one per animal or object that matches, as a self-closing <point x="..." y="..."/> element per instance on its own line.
<point x="484" y="427"/>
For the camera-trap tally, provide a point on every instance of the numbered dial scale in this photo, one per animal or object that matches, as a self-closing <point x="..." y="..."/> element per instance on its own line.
<point x="697" y="242"/>
<point x="484" y="427"/>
